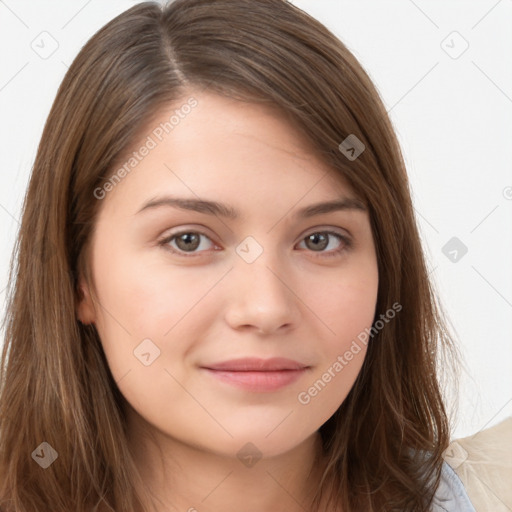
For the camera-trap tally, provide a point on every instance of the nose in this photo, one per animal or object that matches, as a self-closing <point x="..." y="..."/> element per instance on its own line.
<point x="261" y="298"/>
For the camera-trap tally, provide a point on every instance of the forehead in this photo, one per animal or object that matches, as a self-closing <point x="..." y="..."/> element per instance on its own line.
<point x="207" y="144"/>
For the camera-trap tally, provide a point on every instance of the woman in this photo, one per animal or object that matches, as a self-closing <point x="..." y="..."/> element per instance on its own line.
<point x="220" y="295"/>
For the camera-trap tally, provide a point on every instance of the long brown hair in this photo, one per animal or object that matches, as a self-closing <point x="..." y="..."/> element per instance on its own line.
<point x="384" y="445"/>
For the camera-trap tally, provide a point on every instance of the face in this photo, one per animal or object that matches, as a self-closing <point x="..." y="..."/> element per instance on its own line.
<point x="224" y="325"/>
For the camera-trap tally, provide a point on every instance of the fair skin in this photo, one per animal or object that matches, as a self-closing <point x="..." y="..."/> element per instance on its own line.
<point x="298" y="299"/>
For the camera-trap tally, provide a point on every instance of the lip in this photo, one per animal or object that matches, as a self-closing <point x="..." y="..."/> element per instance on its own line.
<point x="255" y="364"/>
<point x="257" y="375"/>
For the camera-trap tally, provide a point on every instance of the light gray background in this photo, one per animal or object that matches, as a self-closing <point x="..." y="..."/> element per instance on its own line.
<point x="452" y="112"/>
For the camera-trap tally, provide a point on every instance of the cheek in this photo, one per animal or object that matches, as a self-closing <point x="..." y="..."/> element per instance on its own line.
<point x="145" y="330"/>
<point x="161" y="301"/>
<point x="342" y="356"/>
<point x="142" y="300"/>
<point x="347" y="305"/>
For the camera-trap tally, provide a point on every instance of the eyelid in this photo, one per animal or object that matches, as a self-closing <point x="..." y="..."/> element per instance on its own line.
<point x="328" y="229"/>
<point x="165" y="239"/>
<point x="346" y="240"/>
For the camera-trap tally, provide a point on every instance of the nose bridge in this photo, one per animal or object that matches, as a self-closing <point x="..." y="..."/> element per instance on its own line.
<point x="262" y="297"/>
<point x="260" y="260"/>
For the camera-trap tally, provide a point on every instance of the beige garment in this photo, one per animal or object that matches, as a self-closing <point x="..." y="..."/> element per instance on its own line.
<point x="483" y="462"/>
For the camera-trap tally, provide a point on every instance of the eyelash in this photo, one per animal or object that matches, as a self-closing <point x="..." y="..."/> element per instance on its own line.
<point x="347" y="243"/>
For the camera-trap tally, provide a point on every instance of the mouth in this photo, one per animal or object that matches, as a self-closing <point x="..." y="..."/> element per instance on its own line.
<point x="257" y="375"/>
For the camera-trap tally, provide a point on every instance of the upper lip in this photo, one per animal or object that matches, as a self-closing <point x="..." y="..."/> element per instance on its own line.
<point x="255" y="364"/>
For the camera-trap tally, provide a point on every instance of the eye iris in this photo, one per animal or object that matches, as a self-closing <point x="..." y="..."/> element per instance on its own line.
<point x="190" y="241"/>
<point x="316" y="237"/>
<point x="186" y="238"/>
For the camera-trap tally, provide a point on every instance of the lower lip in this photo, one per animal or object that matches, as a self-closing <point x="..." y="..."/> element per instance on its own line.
<point x="258" y="381"/>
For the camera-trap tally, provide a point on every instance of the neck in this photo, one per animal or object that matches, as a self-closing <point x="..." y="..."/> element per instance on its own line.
<point x="186" y="478"/>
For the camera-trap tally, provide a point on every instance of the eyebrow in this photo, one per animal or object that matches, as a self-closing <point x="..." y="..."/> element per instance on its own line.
<point x="215" y="208"/>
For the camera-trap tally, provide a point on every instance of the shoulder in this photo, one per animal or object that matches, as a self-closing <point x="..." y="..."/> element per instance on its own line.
<point x="482" y="462"/>
<point x="451" y="496"/>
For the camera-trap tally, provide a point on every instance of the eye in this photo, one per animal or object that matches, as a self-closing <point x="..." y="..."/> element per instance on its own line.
<point x="320" y="240"/>
<point x="185" y="242"/>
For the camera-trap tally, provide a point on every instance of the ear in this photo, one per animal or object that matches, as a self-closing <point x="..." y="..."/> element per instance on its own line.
<point x="85" y="308"/>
